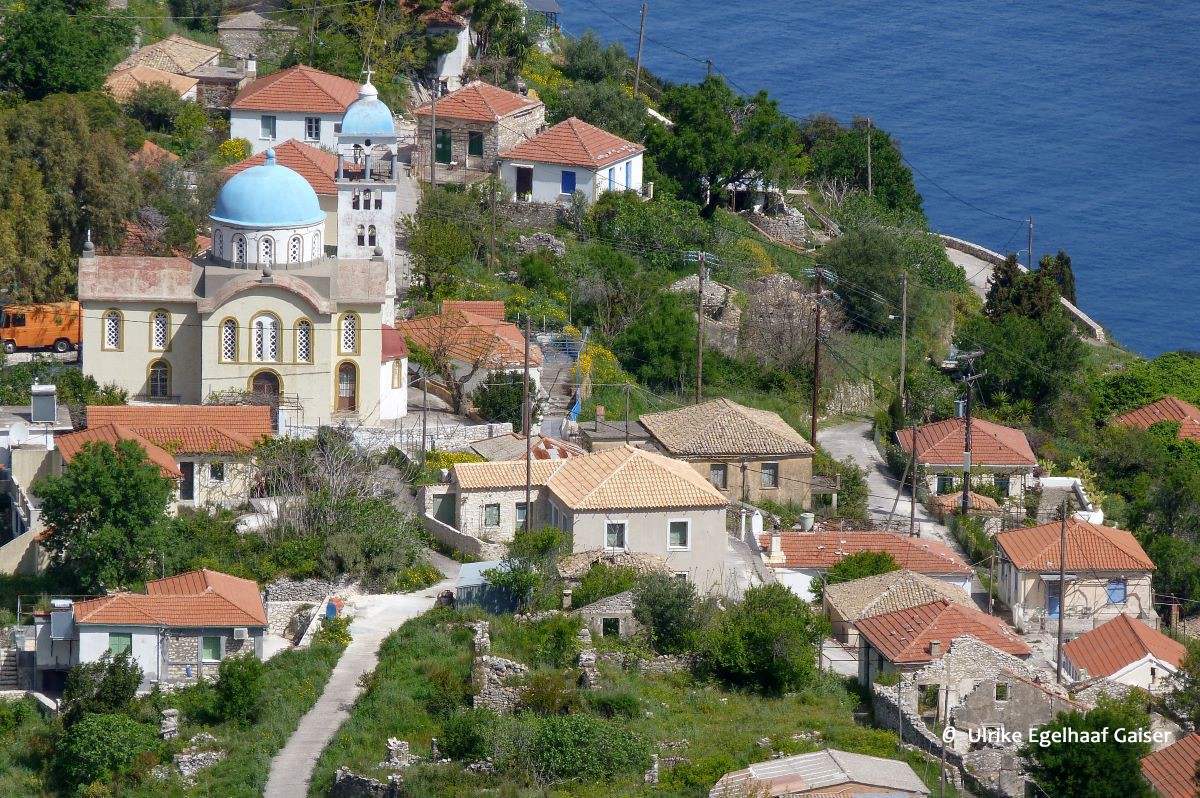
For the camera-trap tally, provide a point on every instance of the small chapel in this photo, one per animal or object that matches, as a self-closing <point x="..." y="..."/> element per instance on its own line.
<point x="268" y="313"/>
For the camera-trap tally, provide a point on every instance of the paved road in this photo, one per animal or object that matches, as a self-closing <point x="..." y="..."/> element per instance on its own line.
<point x="375" y="617"/>
<point x="978" y="271"/>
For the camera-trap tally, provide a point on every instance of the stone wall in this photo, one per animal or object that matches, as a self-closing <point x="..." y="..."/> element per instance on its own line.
<point x="790" y="227"/>
<point x="351" y="785"/>
<point x="488" y="675"/>
<point x="464" y="543"/>
<point x="281" y="616"/>
<point x="541" y="215"/>
<point x="722" y="316"/>
<point x="497" y="138"/>
<point x="311" y="590"/>
<point x="658" y="666"/>
<point x="183" y="652"/>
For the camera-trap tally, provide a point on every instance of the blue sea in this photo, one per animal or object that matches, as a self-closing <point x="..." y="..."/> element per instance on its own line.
<point x="1085" y="115"/>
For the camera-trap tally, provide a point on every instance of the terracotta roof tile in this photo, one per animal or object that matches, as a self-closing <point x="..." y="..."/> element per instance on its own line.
<point x="469" y="337"/>
<point x="196" y="598"/>
<point x="1172" y="771"/>
<point x="1168" y="408"/>
<point x="503" y="474"/>
<point x="151" y="156"/>
<point x="724" y="428"/>
<point x="72" y="443"/>
<point x="512" y="447"/>
<point x="904" y="636"/>
<point x="173" y="54"/>
<point x="573" y="142"/>
<point x="315" y="165"/>
<point x="479" y="102"/>
<point x="1099" y="548"/>
<point x="991" y="444"/>
<point x="122" y="83"/>
<point x="488" y="308"/>
<point x="825" y="549"/>
<point x="1121" y="641"/>
<point x="393" y="344"/>
<point x="299" y="89"/>
<point x="895" y="590"/>
<point x="950" y="502"/>
<point x="252" y="421"/>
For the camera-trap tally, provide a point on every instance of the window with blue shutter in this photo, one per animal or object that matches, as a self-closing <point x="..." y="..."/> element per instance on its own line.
<point x="1116" y="591"/>
<point x="568" y="182"/>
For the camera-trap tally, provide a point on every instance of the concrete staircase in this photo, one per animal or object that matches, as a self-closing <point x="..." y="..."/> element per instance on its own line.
<point x="8" y="668"/>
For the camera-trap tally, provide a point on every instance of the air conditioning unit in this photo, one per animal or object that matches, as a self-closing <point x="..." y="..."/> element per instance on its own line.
<point x="241" y="633"/>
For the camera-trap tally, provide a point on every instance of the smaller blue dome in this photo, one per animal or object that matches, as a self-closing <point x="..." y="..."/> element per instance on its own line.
<point x="268" y="195"/>
<point x="368" y="116"/>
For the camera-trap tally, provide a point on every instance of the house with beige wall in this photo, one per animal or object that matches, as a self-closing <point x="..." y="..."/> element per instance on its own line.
<point x="1107" y="573"/>
<point x="1000" y="455"/>
<point x="623" y="500"/>
<point x="846" y="603"/>
<point x="747" y="454"/>
<point x="1127" y="651"/>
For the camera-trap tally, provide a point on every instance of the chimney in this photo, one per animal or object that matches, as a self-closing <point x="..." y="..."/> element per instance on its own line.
<point x="776" y="545"/>
<point x="566" y="598"/>
<point x="935" y="648"/>
<point x="599" y="416"/>
<point x="251" y="67"/>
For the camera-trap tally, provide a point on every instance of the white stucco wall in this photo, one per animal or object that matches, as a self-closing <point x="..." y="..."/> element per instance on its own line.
<point x="129" y="366"/>
<point x="245" y="124"/>
<point x="547" y="179"/>
<point x="93" y="644"/>
<point x="449" y="67"/>
<point x="393" y="400"/>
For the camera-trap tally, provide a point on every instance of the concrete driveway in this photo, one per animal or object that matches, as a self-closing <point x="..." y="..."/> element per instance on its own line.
<point x="375" y="617"/>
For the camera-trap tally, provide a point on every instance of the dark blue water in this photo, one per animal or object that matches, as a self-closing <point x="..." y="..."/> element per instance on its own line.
<point x="1085" y="115"/>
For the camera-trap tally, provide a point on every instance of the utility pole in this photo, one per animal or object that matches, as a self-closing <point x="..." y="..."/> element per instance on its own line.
<point x="628" y="387"/>
<point x="899" y="713"/>
<point x="433" y="136"/>
<point x="903" y="336"/>
<point x="816" y="386"/>
<point x="699" y="325"/>
<point x="710" y="66"/>
<point x="970" y="379"/>
<point x="1029" y="252"/>
<point x="424" y="411"/>
<point x="312" y="35"/>
<point x="912" y="504"/>
<point x="527" y="423"/>
<point x="637" y="69"/>
<point x="492" y="238"/>
<point x="1062" y="587"/>
<point x="870" y="182"/>
<point x="992" y="580"/>
<point x="944" y="695"/>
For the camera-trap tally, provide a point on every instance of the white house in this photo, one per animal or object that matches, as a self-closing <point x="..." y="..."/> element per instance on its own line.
<point x="1124" y="650"/>
<point x="448" y="69"/>
<point x="177" y="632"/>
<point x="299" y="103"/>
<point x="571" y="157"/>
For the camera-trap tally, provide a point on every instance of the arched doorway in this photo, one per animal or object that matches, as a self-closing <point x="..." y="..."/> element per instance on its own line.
<point x="266" y="387"/>
<point x="347" y="388"/>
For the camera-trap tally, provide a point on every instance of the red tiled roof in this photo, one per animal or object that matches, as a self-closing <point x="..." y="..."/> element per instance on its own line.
<point x="393" y="344"/>
<point x="478" y="102"/>
<point x="469" y="337"/>
<point x="299" y="89"/>
<point x="1172" y="771"/>
<point x="1168" y="408"/>
<point x="489" y="308"/>
<point x="173" y="54"/>
<point x="825" y="549"/>
<point x="991" y="444"/>
<point x="575" y="143"/>
<point x="151" y="156"/>
<point x="1121" y="641"/>
<point x="122" y="83"/>
<point x="953" y="501"/>
<point x="252" y="421"/>
<point x="140" y="241"/>
<point x="196" y="598"/>
<point x="72" y="443"/>
<point x="315" y="165"/>
<point x="1098" y="548"/>
<point x="904" y="636"/>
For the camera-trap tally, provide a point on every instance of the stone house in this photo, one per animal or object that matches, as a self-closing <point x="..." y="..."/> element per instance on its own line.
<point x="299" y="103"/>
<point x="178" y="631"/>
<point x="571" y="158"/>
<point x="1000" y="455"/>
<point x="473" y="126"/>
<point x="822" y="773"/>
<point x="904" y="641"/>
<point x="205" y="449"/>
<point x="747" y="454"/>
<point x="214" y="84"/>
<point x="846" y="603"/>
<point x="611" y="616"/>
<point x="1107" y="573"/>
<point x="622" y="500"/>
<point x="249" y="33"/>
<point x="1126" y="651"/>
<point x="799" y="557"/>
<point x="122" y="83"/>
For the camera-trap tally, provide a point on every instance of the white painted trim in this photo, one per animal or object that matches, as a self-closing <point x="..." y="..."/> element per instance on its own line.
<point x="687" y="521"/>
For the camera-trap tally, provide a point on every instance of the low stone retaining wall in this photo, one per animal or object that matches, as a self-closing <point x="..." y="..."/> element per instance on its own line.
<point x="281" y="615"/>
<point x="535" y="214"/>
<point x="995" y="258"/>
<point x="310" y="590"/>
<point x="464" y="543"/>
<point x="792" y="227"/>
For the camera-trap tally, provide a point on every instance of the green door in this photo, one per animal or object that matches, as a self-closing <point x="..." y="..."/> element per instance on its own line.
<point x="443" y="508"/>
<point x="442" y="146"/>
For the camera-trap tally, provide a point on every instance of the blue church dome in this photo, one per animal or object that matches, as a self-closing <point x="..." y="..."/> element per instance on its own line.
<point x="368" y="116"/>
<point x="268" y="195"/>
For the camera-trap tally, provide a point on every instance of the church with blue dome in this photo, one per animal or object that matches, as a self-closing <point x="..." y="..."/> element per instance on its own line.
<point x="271" y="312"/>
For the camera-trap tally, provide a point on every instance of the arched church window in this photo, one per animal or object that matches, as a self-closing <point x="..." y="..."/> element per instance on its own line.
<point x="358" y="153"/>
<point x="371" y="236"/>
<point x="229" y="340"/>
<point x="239" y="249"/>
<point x="159" y="380"/>
<point x="294" y="249"/>
<point x="216" y="245"/>
<point x="316" y="250"/>
<point x="367" y="199"/>
<point x="304" y="341"/>
<point x="112" y="329"/>
<point x="362" y="238"/>
<point x="349" y="334"/>
<point x="355" y="199"/>
<point x="268" y="251"/>
<point x="265" y="329"/>
<point x="378" y="200"/>
<point x="160" y="330"/>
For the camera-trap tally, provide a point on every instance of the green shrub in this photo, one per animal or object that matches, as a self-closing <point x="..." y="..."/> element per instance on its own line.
<point x="469" y="735"/>
<point x="614" y="704"/>
<point x="448" y="691"/>
<point x="15" y="714"/>
<point x="239" y="688"/>
<point x="559" y="641"/>
<point x="106" y="686"/>
<point x="551" y="693"/>
<point x="602" y="581"/>
<point x="417" y="577"/>
<point x="666" y="606"/>
<point x="100" y="747"/>
<point x="581" y="746"/>
<point x="335" y="631"/>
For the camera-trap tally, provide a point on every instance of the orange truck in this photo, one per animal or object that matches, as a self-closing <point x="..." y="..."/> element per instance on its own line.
<point x="54" y="325"/>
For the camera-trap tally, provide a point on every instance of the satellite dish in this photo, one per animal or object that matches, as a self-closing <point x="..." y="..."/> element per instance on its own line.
<point x="18" y="433"/>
